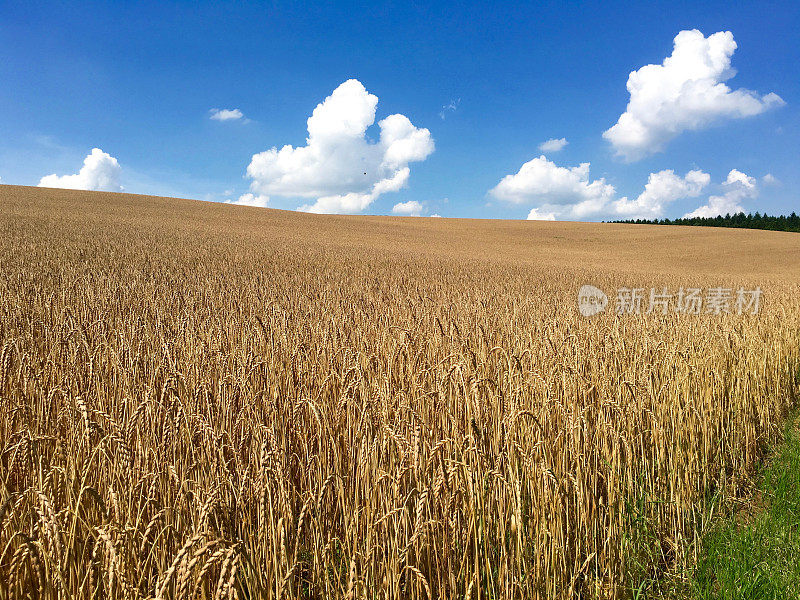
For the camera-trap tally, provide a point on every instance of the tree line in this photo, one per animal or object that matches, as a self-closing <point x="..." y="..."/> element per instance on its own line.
<point x="741" y="220"/>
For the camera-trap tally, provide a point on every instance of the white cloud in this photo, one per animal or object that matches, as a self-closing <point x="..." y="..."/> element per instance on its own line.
<point x="412" y="208"/>
<point x="740" y="180"/>
<point x="559" y="191"/>
<point x="736" y="188"/>
<point x="355" y="202"/>
<point x="661" y="189"/>
<point x="553" y="145"/>
<point x="436" y="216"/>
<point x="686" y="92"/>
<point x="770" y="179"/>
<point x="556" y="192"/>
<point x="451" y="107"/>
<point x="225" y="114"/>
<point x="249" y="199"/>
<point x="339" y="167"/>
<point x="100" y="172"/>
<point x="536" y="215"/>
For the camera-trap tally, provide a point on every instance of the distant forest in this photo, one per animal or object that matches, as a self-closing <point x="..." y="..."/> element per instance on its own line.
<point x="741" y="220"/>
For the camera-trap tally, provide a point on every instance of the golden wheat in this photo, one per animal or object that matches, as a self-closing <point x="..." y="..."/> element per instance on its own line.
<point x="201" y="401"/>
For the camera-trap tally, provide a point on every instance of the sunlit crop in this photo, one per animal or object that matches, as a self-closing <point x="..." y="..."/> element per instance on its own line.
<point x="201" y="401"/>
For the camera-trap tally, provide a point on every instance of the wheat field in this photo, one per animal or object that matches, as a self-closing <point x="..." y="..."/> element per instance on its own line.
<point x="209" y="401"/>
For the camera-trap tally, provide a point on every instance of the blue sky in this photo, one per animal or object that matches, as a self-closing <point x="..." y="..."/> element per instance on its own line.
<point x="138" y="81"/>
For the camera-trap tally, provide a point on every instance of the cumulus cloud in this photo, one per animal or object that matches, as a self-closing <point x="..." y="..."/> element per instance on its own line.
<point x="100" y="172"/>
<point x="770" y="179"/>
<point x="556" y="192"/>
<point x="686" y="92"/>
<point x="342" y="170"/>
<point x="412" y="208"/>
<point x="736" y="188"/>
<point x="249" y="199"/>
<point x="225" y="114"/>
<point x="565" y="192"/>
<point x="537" y="215"/>
<point x="553" y="145"/>
<point x="661" y="189"/>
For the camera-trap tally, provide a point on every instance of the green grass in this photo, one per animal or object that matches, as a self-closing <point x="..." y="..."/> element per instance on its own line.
<point x="758" y="557"/>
